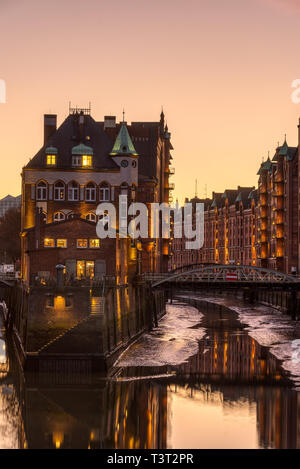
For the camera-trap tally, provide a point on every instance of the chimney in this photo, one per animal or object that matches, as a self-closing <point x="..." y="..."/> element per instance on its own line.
<point x="49" y="126"/>
<point x="109" y="122"/>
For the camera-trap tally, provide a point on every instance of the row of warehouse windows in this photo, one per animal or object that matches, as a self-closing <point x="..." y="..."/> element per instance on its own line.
<point x="72" y="190"/>
<point x="80" y="244"/>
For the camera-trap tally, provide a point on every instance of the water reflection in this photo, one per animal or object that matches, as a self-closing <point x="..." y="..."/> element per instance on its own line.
<point x="231" y="394"/>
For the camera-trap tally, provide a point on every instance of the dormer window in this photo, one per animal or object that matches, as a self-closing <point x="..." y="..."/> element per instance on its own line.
<point x="51" y="160"/>
<point x="86" y="160"/>
<point x="51" y="153"/>
<point x="82" y="156"/>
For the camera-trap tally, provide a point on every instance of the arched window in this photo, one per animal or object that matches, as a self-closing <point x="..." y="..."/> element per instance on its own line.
<point x="73" y="191"/>
<point x="59" y="191"/>
<point x="41" y="191"/>
<point x="59" y="216"/>
<point x="91" y="217"/>
<point x="104" y="192"/>
<point x="90" y="192"/>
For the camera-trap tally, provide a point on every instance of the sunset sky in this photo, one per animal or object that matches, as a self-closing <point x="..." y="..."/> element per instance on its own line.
<point x="222" y="70"/>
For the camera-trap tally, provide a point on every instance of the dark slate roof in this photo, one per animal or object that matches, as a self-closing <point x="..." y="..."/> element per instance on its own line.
<point x="144" y="136"/>
<point x="231" y="195"/>
<point x="254" y="195"/>
<point x="196" y="200"/>
<point x="243" y="195"/>
<point x="216" y="199"/>
<point x="67" y="136"/>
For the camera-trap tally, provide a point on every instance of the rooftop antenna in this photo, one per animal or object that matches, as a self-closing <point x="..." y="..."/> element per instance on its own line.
<point x="205" y="191"/>
<point x="123" y="115"/>
<point x="196" y="188"/>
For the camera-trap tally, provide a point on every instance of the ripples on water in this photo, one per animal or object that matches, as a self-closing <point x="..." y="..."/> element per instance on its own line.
<point x="197" y="381"/>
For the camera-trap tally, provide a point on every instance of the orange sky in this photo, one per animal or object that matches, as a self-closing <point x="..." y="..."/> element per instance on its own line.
<point x="221" y="70"/>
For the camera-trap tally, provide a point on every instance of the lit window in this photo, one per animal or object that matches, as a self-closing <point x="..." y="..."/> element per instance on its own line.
<point x="59" y="216"/>
<point x="95" y="243"/>
<point x="86" y="160"/>
<point x="59" y="191"/>
<point x="90" y="192"/>
<point x="61" y="243"/>
<point x="41" y="191"/>
<point x="51" y="160"/>
<point x="82" y="243"/>
<point x="49" y="243"/>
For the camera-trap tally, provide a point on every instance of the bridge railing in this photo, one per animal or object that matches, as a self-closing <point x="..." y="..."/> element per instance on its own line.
<point x="223" y="273"/>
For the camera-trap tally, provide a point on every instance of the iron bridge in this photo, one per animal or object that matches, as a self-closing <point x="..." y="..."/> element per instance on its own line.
<point x="225" y="275"/>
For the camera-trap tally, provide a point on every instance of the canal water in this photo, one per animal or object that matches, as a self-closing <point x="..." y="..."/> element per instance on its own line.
<point x="214" y="379"/>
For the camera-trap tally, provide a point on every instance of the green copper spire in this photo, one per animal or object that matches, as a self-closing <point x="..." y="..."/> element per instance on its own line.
<point x="123" y="144"/>
<point x="284" y="149"/>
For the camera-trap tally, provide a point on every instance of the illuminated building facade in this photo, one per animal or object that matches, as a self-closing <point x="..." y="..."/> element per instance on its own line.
<point x="248" y="226"/>
<point x="81" y="164"/>
<point x="229" y="230"/>
<point x="278" y="211"/>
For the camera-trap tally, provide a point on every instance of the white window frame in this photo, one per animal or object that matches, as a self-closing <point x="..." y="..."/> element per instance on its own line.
<point x="60" y="218"/>
<point x="72" y="191"/>
<point x="90" y="216"/>
<point x="104" y="194"/>
<point x="41" y="191"/>
<point x="76" y="160"/>
<point x="59" y="189"/>
<point x="90" y="193"/>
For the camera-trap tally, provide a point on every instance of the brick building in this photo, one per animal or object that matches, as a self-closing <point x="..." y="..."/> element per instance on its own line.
<point x="229" y="230"/>
<point x="83" y="163"/>
<point x="278" y="211"/>
<point x="249" y="226"/>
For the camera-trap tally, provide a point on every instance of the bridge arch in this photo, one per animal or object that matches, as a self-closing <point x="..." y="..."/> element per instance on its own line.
<point x="218" y="273"/>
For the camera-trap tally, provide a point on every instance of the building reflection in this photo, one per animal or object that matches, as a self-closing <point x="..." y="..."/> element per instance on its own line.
<point x="120" y="415"/>
<point x="136" y="413"/>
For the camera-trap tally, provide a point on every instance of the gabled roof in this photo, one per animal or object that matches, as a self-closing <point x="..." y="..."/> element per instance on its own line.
<point x="230" y="195"/>
<point x="68" y="136"/>
<point x="284" y="149"/>
<point x="145" y="136"/>
<point x="243" y="195"/>
<point x="123" y="144"/>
